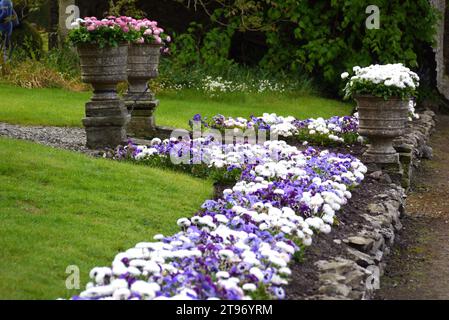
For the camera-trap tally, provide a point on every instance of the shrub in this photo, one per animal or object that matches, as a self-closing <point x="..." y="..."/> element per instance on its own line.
<point x="36" y="74"/>
<point x="197" y="47"/>
<point x="324" y="38"/>
<point x="27" y="41"/>
<point x="64" y="60"/>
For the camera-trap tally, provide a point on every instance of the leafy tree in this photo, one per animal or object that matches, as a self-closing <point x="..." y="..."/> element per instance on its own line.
<point x="125" y="7"/>
<point x="327" y="37"/>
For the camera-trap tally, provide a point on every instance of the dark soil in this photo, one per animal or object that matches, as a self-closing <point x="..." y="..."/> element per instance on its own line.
<point x="418" y="267"/>
<point x="304" y="282"/>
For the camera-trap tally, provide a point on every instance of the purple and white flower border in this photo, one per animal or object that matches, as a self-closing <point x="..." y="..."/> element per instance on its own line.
<point x="239" y="246"/>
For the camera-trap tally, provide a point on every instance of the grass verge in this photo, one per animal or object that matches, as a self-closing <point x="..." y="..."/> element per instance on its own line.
<point x="58" y="107"/>
<point x="60" y="208"/>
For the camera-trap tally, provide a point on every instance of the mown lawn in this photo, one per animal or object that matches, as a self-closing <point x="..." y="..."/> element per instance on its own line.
<point x="58" y="107"/>
<point x="60" y="208"/>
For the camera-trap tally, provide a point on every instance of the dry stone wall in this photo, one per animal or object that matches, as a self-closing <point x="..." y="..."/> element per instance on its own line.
<point x="357" y="275"/>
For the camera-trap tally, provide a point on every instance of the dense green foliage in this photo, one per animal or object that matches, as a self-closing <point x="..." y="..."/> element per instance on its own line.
<point x="103" y="37"/>
<point x="364" y="87"/>
<point x="26" y="41"/>
<point x="322" y="38"/>
<point x="125" y="8"/>
<point x="198" y="54"/>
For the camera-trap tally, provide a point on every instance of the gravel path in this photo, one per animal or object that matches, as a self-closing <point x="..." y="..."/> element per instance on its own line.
<point x="419" y="265"/>
<point x="59" y="137"/>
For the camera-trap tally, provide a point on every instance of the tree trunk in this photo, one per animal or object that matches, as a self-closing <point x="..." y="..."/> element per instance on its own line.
<point x="54" y="21"/>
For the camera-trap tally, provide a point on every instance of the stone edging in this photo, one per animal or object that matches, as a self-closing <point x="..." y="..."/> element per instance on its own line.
<point x="357" y="275"/>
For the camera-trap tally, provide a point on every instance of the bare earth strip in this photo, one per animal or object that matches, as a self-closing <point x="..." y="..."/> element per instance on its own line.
<point x="419" y="264"/>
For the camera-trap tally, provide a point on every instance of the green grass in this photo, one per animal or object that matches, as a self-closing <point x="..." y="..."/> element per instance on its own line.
<point x="58" y="107"/>
<point x="61" y="208"/>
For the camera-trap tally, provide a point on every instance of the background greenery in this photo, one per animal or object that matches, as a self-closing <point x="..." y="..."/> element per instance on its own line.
<point x="303" y="44"/>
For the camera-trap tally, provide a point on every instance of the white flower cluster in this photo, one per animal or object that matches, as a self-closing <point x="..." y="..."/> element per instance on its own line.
<point x="215" y="86"/>
<point x="267" y="85"/>
<point x="218" y="85"/>
<point x="411" y="110"/>
<point x="219" y="156"/>
<point x="279" y="125"/>
<point x="322" y="127"/>
<point x="391" y="75"/>
<point x="238" y="122"/>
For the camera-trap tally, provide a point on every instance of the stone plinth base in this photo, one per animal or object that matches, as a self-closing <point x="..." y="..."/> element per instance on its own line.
<point x="394" y="170"/>
<point x="105" y="124"/>
<point x="158" y="132"/>
<point x="142" y="122"/>
<point x="390" y="158"/>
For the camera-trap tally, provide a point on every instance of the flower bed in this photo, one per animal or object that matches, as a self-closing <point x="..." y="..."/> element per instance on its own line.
<point x="238" y="246"/>
<point x="317" y="131"/>
<point x="324" y="132"/>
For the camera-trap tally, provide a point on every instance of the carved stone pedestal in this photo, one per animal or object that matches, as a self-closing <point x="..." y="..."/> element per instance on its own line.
<point x="106" y="115"/>
<point x="381" y="121"/>
<point x="143" y="61"/>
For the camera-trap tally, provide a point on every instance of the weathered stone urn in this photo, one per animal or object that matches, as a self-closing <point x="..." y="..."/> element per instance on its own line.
<point x="143" y="62"/>
<point x="106" y="115"/>
<point x="381" y="121"/>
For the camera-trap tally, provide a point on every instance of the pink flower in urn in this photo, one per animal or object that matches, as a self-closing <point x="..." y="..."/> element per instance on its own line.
<point x="157" y="39"/>
<point x="156" y="32"/>
<point x="141" y="40"/>
<point x="168" y="39"/>
<point x="125" y="29"/>
<point x="91" y="27"/>
<point x="148" y="32"/>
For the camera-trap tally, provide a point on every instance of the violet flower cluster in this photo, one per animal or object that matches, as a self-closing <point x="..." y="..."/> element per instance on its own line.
<point x="240" y="245"/>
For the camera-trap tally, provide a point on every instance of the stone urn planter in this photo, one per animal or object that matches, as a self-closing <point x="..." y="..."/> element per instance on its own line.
<point x="381" y="121"/>
<point x="143" y="63"/>
<point x="106" y="115"/>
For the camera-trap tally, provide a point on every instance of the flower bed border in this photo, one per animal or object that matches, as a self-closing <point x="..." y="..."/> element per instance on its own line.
<point x="357" y="274"/>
